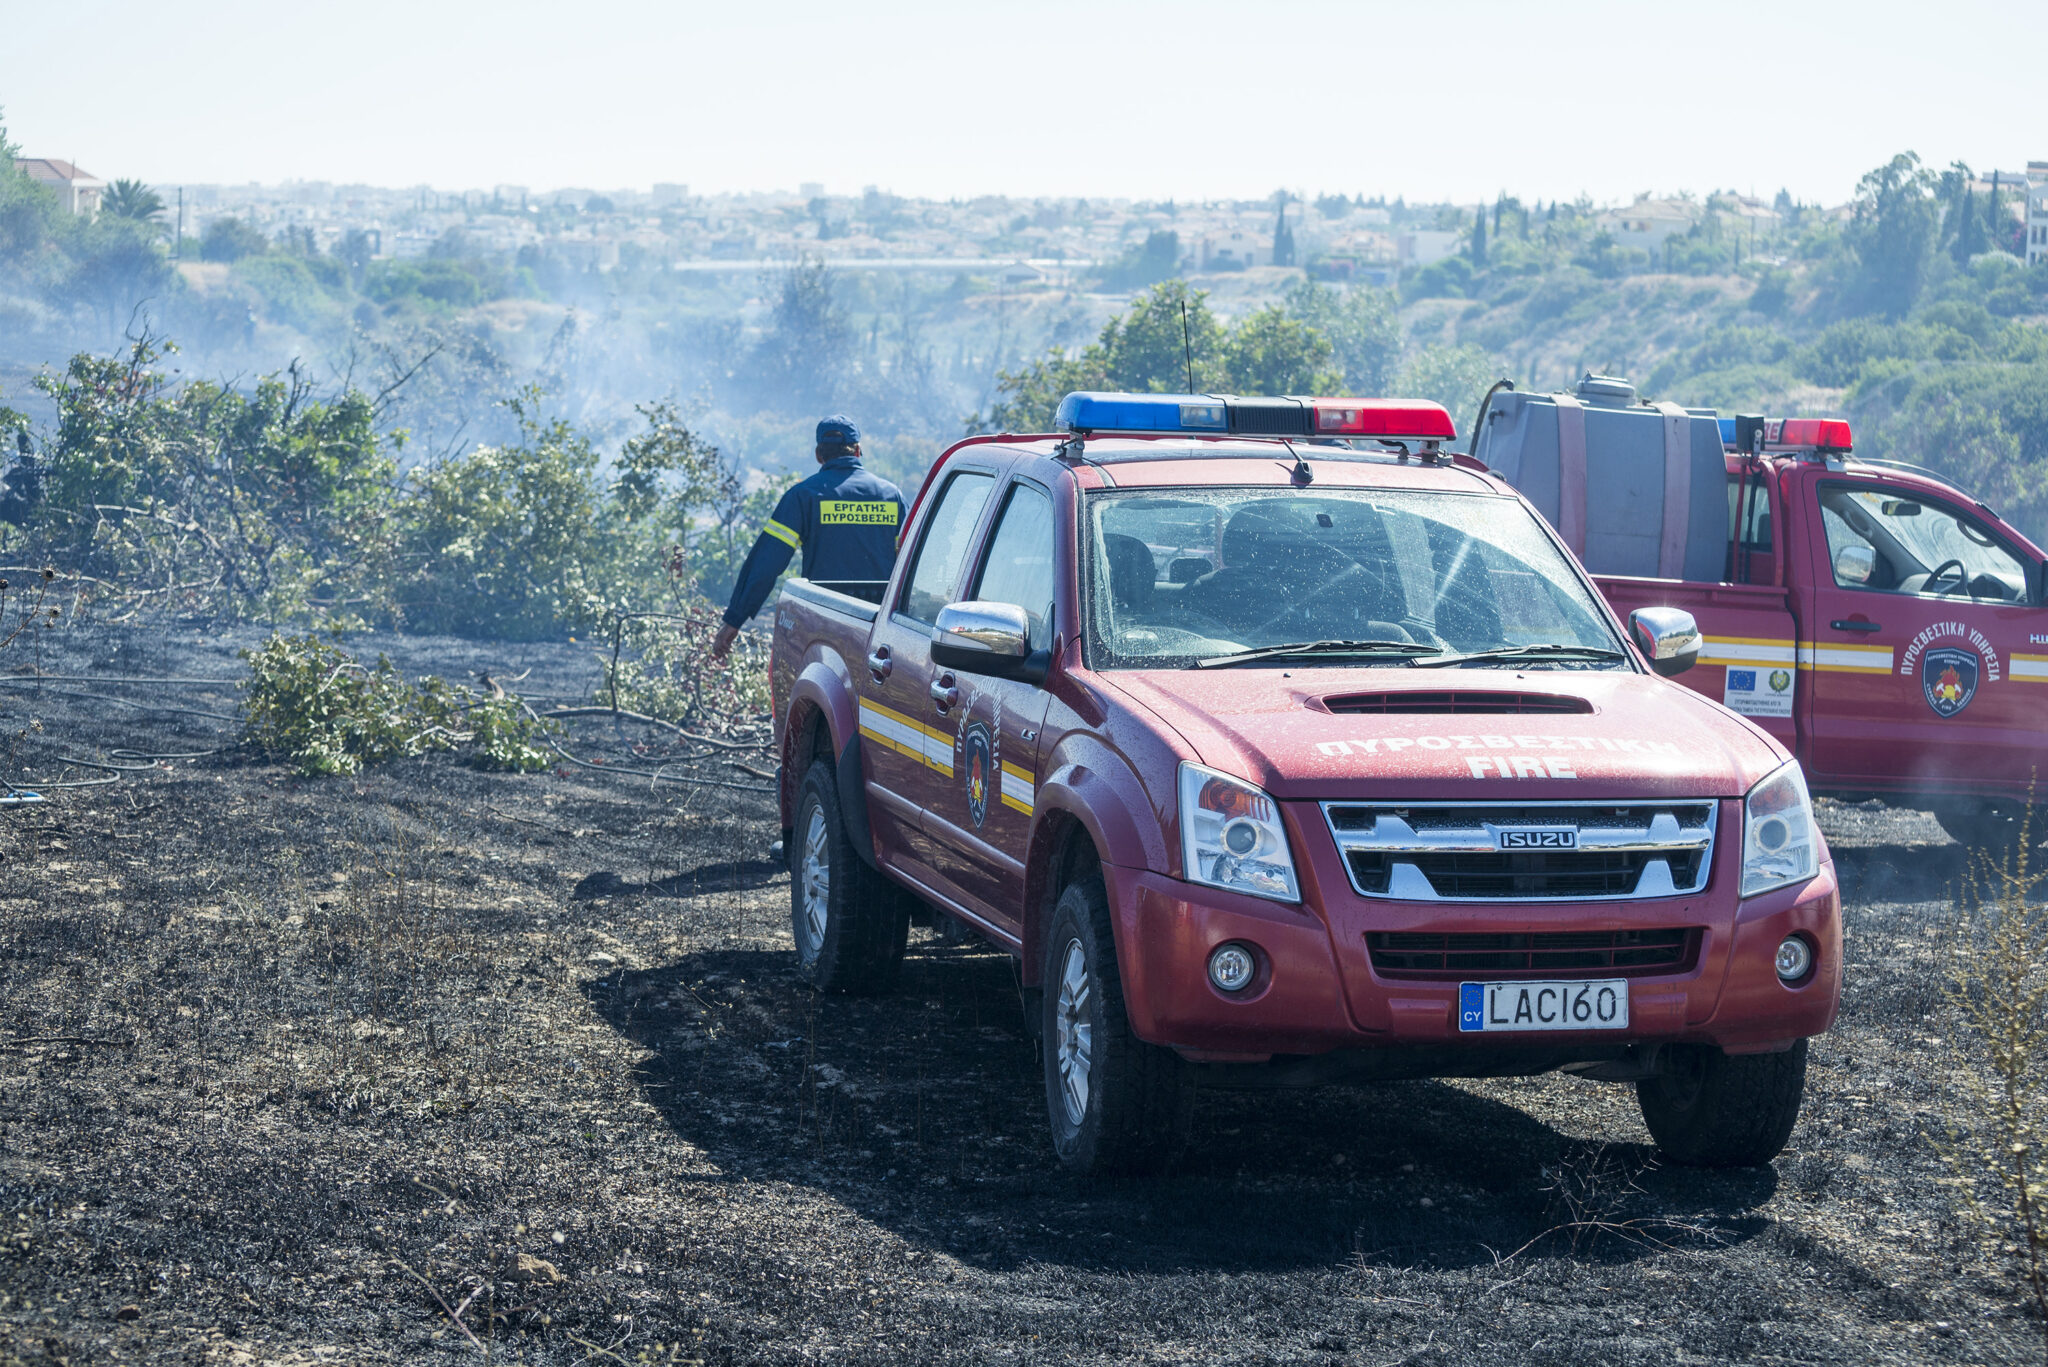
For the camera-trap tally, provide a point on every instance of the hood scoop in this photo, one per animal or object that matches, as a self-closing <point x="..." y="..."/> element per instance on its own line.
<point x="1438" y="702"/>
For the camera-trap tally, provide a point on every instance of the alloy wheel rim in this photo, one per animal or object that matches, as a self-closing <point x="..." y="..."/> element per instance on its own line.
<point x="817" y="884"/>
<point x="1074" y="1037"/>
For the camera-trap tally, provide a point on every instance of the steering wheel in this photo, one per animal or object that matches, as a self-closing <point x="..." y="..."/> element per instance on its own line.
<point x="1329" y="586"/>
<point x="1962" y="582"/>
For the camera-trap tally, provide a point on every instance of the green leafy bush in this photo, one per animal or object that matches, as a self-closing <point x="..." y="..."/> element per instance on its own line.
<point x="312" y="704"/>
<point x="206" y="500"/>
<point x="664" y="669"/>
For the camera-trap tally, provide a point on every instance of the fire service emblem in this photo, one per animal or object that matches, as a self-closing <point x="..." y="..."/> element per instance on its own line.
<point x="978" y="754"/>
<point x="1948" y="676"/>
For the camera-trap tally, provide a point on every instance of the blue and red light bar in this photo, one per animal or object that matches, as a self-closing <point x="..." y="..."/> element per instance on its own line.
<point x="1792" y="434"/>
<point x="1218" y="415"/>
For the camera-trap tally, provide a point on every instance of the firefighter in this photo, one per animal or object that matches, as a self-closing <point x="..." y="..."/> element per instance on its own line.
<point x="844" y="519"/>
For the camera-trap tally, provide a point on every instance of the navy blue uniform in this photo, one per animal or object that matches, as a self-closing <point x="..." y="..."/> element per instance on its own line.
<point x="845" y="521"/>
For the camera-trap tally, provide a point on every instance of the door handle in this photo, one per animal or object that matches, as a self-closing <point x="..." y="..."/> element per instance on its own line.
<point x="1855" y="625"/>
<point x="945" y="696"/>
<point x="879" y="663"/>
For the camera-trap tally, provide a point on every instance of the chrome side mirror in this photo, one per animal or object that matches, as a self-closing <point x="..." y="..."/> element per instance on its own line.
<point x="1855" y="565"/>
<point x="982" y="638"/>
<point x="1668" y="637"/>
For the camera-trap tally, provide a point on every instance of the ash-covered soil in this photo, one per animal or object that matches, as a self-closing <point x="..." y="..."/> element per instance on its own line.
<point x="430" y="1062"/>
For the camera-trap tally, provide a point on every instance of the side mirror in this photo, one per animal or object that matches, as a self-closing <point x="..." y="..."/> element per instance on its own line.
<point x="1855" y="565"/>
<point x="986" y="638"/>
<point x="1668" y="638"/>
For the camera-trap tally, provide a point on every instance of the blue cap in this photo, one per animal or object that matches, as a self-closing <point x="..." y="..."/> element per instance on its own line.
<point x="838" y="430"/>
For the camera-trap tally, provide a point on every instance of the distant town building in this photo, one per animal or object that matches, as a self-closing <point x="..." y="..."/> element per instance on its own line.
<point x="1648" y="223"/>
<point x="77" y="188"/>
<point x="809" y="190"/>
<point x="668" y="193"/>
<point x="2037" y="212"/>
<point x="1425" y="246"/>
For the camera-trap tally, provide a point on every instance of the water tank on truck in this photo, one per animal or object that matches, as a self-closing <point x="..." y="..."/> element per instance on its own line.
<point x="1633" y="488"/>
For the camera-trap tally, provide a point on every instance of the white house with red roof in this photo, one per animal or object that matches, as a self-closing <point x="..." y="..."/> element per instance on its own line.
<point x="78" y="188"/>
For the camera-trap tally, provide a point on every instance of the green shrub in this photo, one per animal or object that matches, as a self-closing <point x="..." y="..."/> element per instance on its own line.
<point x="312" y="704"/>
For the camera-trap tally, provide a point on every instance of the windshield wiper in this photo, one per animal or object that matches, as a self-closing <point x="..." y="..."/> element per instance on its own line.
<point x="1544" y="650"/>
<point x="1364" y="650"/>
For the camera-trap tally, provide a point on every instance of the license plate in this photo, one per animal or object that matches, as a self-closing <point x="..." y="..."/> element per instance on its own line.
<point x="1580" y="1004"/>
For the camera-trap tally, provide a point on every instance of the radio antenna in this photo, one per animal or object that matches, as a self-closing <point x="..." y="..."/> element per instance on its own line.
<point x="1187" y="350"/>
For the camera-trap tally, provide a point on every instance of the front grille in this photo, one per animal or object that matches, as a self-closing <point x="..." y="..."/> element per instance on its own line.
<point x="1568" y="953"/>
<point x="1465" y="701"/>
<point x="1465" y="852"/>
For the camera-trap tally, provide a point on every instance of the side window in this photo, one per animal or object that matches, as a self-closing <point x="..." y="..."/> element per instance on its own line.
<point x="1879" y="540"/>
<point x="942" y="553"/>
<point x="1018" y="568"/>
<point x="1755" y="531"/>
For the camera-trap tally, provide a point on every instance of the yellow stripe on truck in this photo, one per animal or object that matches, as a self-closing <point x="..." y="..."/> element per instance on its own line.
<point x="1020" y="788"/>
<point x="1746" y="650"/>
<point x="1847" y="659"/>
<point x="907" y="736"/>
<point x="2030" y="668"/>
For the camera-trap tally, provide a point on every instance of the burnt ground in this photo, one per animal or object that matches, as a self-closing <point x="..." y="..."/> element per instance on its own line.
<point x="308" y="1070"/>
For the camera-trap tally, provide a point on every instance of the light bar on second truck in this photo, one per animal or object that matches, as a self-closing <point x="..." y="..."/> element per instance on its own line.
<point x="1227" y="414"/>
<point x="1791" y="434"/>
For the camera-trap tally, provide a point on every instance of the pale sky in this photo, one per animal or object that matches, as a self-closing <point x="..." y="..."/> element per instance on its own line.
<point x="1450" y="99"/>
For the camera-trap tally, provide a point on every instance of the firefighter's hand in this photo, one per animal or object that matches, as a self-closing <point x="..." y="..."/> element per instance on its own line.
<point x="721" y="644"/>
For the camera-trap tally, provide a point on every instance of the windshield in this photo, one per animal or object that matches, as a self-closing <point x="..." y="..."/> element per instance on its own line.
<point x="1186" y="575"/>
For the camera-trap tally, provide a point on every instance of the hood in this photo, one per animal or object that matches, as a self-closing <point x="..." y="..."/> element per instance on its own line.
<point x="1457" y="735"/>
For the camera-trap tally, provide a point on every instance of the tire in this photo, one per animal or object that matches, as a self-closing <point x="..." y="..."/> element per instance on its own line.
<point x="1992" y="826"/>
<point x="849" y="922"/>
<point x="1721" y="1110"/>
<point x="1115" y="1103"/>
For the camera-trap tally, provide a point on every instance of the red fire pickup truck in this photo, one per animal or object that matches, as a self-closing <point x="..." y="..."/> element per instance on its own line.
<point x="1274" y="760"/>
<point x="1884" y="626"/>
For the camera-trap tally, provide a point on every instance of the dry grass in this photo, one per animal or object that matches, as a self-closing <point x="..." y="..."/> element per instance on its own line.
<point x="1995" y="1141"/>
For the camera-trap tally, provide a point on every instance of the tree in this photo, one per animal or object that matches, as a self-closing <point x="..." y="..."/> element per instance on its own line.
<point x="116" y="263"/>
<point x="1144" y="351"/>
<point x="132" y="200"/>
<point x="1363" y="326"/>
<point x="231" y="239"/>
<point x="807" y="347"/>
<point x="1893" y="233"/>
<point x="1270" y="352"/>
<point x="1454" y="376"/>
<point x="1478" y="244"/>
<point x="1158" y="259"/>
<point x="30" y="216"/>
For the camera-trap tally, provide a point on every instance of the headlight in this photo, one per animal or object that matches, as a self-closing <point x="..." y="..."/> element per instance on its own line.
<point x="1780" y="843"/>
<point x="1231" y="836"/>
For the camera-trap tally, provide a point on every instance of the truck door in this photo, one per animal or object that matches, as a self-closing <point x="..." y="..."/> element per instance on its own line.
<point x="909" y="758"/>
<point x="983" y="825"/>
<point x="1915" y="637"/>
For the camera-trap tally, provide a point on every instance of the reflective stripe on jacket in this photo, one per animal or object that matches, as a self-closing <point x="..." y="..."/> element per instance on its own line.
<point x="844" y="519"/>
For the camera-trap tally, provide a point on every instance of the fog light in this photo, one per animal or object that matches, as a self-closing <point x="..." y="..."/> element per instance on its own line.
<point x="1795" y="958"/>
<point x="1231" y="967"/>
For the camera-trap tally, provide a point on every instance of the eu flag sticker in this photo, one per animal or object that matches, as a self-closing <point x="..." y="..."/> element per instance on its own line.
<point x="1742" y="680"/>
<point x="1471" y="1006"/>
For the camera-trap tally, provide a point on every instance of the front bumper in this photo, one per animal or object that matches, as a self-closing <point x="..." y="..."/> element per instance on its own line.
<point x="1318" y="991"/>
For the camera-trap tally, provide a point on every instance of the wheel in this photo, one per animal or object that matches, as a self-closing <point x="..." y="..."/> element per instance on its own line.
<point x="1991" y="825"/>
<point x="1116" y="1103"/>
<point x="848" y="921"/>
<point x="1716" y="1110"/>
